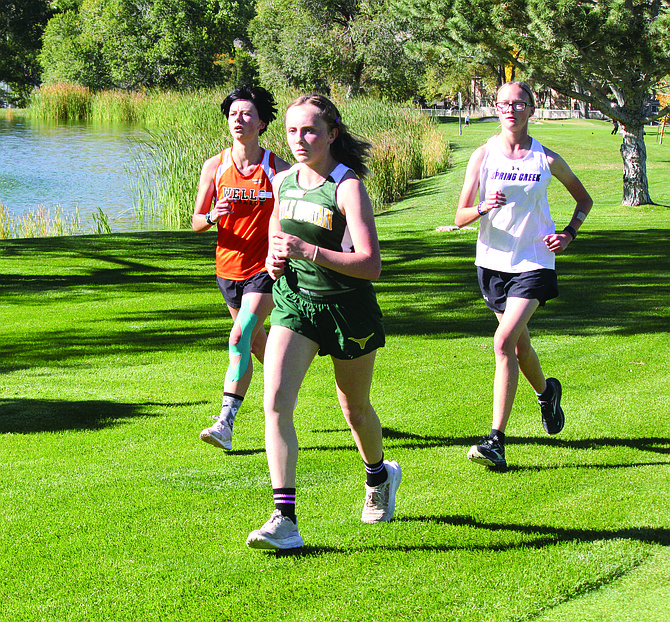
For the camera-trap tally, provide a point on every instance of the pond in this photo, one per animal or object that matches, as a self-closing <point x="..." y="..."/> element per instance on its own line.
<point x="77" y="166"/>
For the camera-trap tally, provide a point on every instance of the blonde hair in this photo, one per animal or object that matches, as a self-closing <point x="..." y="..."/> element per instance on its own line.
<point x="523" y="86"/>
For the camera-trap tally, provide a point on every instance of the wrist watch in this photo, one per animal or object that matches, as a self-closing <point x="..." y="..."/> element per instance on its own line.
<point x="209" y="219"/>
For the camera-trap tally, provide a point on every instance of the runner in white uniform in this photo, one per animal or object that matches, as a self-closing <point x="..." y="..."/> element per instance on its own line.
<point x="516" y="254"/>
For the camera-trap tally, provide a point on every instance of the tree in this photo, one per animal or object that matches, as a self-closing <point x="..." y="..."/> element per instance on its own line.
<point x="607" y="53"/>
<point x="71" y="54"/>
<point x="295" y="55"/>
<point x="21" y="25"/>
<point x="354" y="43"/>
<point x="144" y="43"/>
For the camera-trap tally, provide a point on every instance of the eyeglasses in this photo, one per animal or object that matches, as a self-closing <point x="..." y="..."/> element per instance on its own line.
<point x="516" y="106"/>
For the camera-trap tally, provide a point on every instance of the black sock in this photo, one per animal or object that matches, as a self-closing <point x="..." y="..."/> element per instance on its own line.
<point x="234" y="396"/>
<point x="285" y="502"/>
<point x="499" y="434"/>
<point x="375" y="474"/>
<point x="546" y="396"/>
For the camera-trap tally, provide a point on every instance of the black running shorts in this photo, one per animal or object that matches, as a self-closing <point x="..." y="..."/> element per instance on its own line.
<point x="260" y="283"/>
<point x="497" y="286"/>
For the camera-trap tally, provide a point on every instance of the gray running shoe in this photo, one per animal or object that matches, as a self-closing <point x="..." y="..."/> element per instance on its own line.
<point x="553" y="418"/>
<point x="490" y="453"/>
<point x="380" y="500"/>
<point x="278" y="533"/>
<point x="221" y="433"/>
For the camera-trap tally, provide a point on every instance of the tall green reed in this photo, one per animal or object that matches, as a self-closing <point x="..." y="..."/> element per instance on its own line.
<point x="188" y="127"/>
<point x="61" y="102"/>
<point x="406" y="146"/>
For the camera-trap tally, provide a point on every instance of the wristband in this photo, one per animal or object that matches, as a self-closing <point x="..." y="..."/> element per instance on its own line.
<point x="479" y="209"/>
<point x="571" y="231"/>
<point x="316" y="250"/>
<point x="209" y="219"/>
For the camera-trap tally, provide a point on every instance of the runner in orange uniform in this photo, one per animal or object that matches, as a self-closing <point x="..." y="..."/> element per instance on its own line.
<point x="239" y="181"/>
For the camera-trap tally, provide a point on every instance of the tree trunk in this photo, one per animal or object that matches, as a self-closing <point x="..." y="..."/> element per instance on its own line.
<point x="355" y="86"/>
<point x="634" y="154"/>
<point x="583" y="106"/>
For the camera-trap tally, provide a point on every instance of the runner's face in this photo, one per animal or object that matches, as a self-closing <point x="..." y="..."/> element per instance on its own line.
<point x="509" y="117"/>
<point x="243" y="120"/>
<point x="308" y="135"/>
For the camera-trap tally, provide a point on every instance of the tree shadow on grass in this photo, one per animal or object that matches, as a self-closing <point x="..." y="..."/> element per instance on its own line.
<point x="539" y="537"/>
<point x="410" y="440"/>
<point x="428" y="285"/>
<point x="127" y="249"/>
<point x="133" y="260"/>
<point x="27" y="416"/>
<point x="428" y="288"/>
<point x="167" y="330"/>
<point x="621" y="286"/>
<point x="421" y="441"/>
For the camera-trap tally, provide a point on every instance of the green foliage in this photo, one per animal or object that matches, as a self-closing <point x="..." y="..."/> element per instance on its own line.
<point x="322" y="43"/>
<point x="406" y="146"/>
<point x="21" y="25"/>
<point x="130" y="44"/>
<point x="609" y="53"/>
<point x="111" y="360"/>
<point x="615" y="50"/>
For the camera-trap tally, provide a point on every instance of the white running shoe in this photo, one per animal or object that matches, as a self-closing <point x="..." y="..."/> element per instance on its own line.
<point x="380" y="500"/>
<point x="279" y="533"/>
<point x="221" y="433"/>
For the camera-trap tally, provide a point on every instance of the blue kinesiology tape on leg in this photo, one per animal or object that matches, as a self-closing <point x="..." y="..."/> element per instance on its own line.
<point x="246" y="320"/>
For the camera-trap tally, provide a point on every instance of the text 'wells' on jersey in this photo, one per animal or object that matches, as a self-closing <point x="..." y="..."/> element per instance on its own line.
<point x="245" y="194"/>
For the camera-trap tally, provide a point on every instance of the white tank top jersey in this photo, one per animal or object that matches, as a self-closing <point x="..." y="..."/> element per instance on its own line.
<point x="511" y="238"/>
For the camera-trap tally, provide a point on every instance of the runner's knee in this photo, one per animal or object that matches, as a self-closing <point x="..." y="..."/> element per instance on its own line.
<point x="240" y="347"/>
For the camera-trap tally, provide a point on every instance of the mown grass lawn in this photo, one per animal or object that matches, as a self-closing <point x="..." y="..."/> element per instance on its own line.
<point x="113" y="353"/>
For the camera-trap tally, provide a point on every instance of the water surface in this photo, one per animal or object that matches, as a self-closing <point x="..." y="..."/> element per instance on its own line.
<point x="76" y="165"/>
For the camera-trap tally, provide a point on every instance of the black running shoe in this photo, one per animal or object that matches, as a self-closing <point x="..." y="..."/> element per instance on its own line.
<point x="553" y="418"/>
<point x="490" y="453"/>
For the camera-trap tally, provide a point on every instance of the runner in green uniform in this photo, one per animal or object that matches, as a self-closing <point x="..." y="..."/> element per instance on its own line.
<point x="323" y="254"/>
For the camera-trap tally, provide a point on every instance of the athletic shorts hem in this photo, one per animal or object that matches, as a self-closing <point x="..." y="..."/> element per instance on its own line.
<point x="497" y="286"/>
<point x="345" y="326"/>
<point x="232" y="291"/>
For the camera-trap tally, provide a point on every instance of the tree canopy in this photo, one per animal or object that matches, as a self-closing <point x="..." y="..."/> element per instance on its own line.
<point x="608" y="53"/>
<point x="21" y="25"/>
<point x="354" y="43"/>
<point x="131" y="43"/>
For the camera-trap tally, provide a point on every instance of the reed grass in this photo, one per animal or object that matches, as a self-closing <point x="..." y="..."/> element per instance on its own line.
<point x="101" y="221"/>
<point x="406" y="146"/>
<point x="40" y="222"/>
<point x="188" y="127"/>
<point x="118" y="106"/>
<point x="62" y="102"/>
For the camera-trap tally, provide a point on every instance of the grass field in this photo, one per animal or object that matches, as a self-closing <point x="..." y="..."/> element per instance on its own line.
<point x="113" y="351"/>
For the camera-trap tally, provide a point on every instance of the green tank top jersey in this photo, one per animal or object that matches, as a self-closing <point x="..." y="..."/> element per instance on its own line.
<point x="313" y="216"/>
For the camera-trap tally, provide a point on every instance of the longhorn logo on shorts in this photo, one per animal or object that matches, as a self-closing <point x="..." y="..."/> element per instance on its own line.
<point x="361" y="342"/>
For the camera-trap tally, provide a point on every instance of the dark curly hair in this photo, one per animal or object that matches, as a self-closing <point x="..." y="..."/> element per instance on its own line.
<point x="258" y="96"/>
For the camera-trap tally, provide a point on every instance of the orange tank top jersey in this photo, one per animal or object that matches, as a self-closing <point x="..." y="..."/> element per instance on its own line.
<point x="242" y="240"/>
